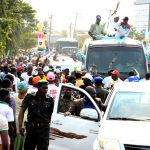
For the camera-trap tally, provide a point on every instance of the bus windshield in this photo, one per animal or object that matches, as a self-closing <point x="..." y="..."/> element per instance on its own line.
<point x="121" y="58"/>
<point x="69" y="51"/>
<point x="61" y="44"/>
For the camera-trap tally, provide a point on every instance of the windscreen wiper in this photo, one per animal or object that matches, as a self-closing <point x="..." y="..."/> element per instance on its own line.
<point x="125" y="118"/>
<point x="145" y="119"/>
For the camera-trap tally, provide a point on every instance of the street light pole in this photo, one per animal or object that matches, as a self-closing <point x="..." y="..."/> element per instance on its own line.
<point x="149" y="20"/>
<point x="70" y="30"/>
<point x="50" y="30"/>
<point x="75" y="24"/>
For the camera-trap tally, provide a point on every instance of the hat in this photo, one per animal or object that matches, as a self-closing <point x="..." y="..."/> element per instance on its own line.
<point x="57" y="70"/>
<point x="88" y="76"/>
<point x="36" y="79"/>
<point x="22" y="87"/>
<point x="79" y="72"/>
<point x="51" y="76"/>
<point x="24" y="65"/>
<point x="98" y="17"/>
<point x="98" y="80"/>
<point x="115" y="72"/>
<point x="51" y="68"/>
<point x="42" y="81"/>
<point x="35" y="73"/>
<point x="19" y="68"/>
<point x="46" y="69"/>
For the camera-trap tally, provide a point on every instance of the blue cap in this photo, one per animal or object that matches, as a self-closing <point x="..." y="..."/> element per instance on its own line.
<point x="98" y="17"/>
<point x="98" y="80"/>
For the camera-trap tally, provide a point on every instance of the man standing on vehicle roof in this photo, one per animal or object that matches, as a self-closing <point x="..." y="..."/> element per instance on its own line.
<point x="40" y="108"/>
<point x="112" y="24"/>
<point x="97" y="30"/>
<point x="123" y="28"/>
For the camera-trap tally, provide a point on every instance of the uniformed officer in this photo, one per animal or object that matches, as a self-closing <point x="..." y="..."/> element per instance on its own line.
<point x="40" y="108"/>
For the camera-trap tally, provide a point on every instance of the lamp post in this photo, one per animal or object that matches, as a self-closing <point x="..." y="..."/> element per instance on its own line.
<point x="50" y="30"/>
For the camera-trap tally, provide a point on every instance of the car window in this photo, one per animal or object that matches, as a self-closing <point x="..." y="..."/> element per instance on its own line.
<point x="130" y="105"/>
<point x="73" y="101"/>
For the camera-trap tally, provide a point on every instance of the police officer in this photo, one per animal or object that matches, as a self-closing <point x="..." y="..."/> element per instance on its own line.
<point x="40" y="108"/>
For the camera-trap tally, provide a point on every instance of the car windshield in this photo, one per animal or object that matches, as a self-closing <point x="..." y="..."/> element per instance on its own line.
<point x="121" y="58"/>
<point x="130" y="106"/>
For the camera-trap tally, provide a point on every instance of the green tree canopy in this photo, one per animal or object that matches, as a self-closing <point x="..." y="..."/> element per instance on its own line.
<point x="17" y="26"/>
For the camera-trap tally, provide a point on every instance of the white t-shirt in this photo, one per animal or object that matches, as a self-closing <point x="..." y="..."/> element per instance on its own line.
<point x="3" y="124"/>
<point x="32" y="89"/>
<point x="112" y="82"/>
<point x="121" y="31"/>
<point x="111" y="26"/>
<point x="52" y="90"/>
<point x="6" y="111"/>
<point x="106" y="81"/>
<point x="25" y="77"/>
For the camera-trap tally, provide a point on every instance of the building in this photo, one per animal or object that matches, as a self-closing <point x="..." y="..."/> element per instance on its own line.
<point x="142" y="15"/>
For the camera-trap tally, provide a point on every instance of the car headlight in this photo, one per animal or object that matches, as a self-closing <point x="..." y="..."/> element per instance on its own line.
<point x="109" y="144"/>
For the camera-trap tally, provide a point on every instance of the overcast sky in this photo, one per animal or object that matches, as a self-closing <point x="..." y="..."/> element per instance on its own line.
<point x="64" y="11"/>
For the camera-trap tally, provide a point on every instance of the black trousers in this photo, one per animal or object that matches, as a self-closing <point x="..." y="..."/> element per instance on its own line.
<point x="37" y="136"/>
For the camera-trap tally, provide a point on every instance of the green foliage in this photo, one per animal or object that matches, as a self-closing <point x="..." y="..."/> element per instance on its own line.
<point x="134" y="34"/>
<point x="27" y="40"/>
<point x="64" y="33"/>
<point x="81" y="39"/>
<point x="17" y="26"/>
<point x="45" y="24"/>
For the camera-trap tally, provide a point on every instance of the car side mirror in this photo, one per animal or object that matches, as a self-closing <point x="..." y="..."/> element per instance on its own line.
<point x="89" y="113"/>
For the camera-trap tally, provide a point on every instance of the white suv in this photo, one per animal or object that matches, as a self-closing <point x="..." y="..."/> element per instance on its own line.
<point x="126" y="122"/>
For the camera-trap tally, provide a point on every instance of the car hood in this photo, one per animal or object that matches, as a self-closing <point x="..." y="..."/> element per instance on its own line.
<point x="126" y="132"/>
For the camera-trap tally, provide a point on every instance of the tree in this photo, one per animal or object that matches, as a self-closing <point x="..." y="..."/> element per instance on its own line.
<point x="45" y="24"/>
<point x="81" y="39"/>
<point x="134" y="34"/>
<point x="27" y="39"/>
<point x="15" y="16"/>
<point x="64" y="33"/>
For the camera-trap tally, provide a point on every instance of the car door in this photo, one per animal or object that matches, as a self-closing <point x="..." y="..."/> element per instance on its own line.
<point x="72" y="132"/>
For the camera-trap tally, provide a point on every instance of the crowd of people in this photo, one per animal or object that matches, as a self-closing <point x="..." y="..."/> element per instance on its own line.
<point x="28" y="93"/>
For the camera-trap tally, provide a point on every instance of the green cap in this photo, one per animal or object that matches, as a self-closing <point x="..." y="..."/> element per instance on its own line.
<point x="43" y="81"/>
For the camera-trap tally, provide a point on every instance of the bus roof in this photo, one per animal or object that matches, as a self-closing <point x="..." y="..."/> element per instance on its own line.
<point x="67" y="39"/>
<point x="114" y="41"/>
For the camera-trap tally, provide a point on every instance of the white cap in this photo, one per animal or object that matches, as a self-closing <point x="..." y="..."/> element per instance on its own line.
<point x="34" y="73"/>
<point x="57" y="70"/>
<point x="46" y="69"/>
<point x="89" y="76"/>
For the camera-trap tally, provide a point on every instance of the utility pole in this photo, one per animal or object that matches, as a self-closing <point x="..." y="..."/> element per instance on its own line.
<point x="75" y="23"/>
<point x="70" y="30"/>
<point x="149" y="20"/>
<point x="50" y="29"/>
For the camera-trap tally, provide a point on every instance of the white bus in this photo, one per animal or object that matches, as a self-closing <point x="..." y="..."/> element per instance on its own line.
<point x="121" y="54"/>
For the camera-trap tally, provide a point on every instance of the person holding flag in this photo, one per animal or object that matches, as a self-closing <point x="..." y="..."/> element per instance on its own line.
<point x="123" y="28"/>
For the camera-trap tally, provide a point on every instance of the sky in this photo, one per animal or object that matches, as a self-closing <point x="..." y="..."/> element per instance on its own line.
<point x="64" y="11"/>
